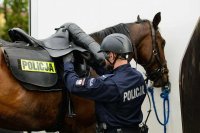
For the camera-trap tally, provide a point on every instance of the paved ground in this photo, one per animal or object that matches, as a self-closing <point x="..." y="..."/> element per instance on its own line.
<point x="9" y="131"/>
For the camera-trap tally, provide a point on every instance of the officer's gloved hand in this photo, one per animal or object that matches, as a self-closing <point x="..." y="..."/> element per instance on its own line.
<point x="68" y="62"/>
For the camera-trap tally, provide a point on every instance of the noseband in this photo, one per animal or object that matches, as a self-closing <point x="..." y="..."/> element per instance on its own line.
<point x="156" y="73"/>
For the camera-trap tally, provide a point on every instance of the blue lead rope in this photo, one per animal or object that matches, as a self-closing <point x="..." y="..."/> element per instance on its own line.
<point x="165" y="96"/>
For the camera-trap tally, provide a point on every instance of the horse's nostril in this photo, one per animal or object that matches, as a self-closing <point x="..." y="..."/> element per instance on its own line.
<point x="166" y="71"/>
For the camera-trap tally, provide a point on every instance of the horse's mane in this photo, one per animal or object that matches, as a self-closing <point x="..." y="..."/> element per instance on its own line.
<point x="119" y="28"/>
<point x="145" y="20"/>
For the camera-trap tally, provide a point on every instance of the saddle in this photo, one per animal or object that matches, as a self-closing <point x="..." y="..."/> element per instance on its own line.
<point x="36" y="63"/>
<point x="57" y="45"/>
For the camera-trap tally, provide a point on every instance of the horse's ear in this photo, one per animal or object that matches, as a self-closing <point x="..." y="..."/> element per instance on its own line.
<point x="138" y="18"/>
<point x="156" y="20"/>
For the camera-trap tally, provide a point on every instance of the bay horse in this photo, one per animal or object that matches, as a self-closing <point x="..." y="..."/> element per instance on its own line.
<point x="25" y="110"/>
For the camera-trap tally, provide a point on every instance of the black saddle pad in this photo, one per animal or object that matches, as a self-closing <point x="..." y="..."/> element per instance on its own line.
<point x="31" y="65"/>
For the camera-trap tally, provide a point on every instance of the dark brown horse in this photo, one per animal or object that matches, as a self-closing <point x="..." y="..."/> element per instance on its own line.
<point x="25" y="110"/>
<point x="189" y="84"/>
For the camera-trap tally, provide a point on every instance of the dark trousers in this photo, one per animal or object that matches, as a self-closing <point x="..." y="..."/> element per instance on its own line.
<point x="123" y="130"/>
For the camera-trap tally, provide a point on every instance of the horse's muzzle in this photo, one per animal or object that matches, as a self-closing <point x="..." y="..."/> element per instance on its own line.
<point x="163" y="79"/>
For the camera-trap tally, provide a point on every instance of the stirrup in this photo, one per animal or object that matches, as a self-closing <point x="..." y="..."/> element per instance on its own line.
<point x="71" y="112"/>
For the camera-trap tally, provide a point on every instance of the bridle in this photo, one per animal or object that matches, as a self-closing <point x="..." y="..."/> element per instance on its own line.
<point x="157" y="72"/>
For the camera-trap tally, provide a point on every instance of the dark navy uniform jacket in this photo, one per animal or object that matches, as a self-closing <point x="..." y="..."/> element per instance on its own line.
<point x="118" y="96"/>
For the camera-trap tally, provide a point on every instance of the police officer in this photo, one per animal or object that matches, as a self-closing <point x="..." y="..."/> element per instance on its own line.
<point x="119" y="94"/>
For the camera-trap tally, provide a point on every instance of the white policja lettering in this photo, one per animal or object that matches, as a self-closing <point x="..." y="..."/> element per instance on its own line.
<point x="134" y="93"/>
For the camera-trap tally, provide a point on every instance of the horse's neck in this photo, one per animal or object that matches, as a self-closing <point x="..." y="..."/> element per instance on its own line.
<point x="135" y="31"/>
<point x="100" y="35"/>
<point x="138" y="31"/>
<point x="96" y="38"/>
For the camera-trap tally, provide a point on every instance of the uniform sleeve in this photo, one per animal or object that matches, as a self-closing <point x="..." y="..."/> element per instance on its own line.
<point x="99" y="89"/>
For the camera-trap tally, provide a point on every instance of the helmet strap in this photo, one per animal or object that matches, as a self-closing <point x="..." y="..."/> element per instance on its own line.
<point x="112" y="64"/>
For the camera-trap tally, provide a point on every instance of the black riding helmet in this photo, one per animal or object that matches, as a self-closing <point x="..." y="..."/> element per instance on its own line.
<point x="117" y="43"/>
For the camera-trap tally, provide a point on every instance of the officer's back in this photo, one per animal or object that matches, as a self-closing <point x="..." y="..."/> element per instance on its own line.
<point x="119" y="94"/>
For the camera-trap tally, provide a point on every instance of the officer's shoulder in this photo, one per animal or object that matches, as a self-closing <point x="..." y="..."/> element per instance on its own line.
<point x="104" y="77"/>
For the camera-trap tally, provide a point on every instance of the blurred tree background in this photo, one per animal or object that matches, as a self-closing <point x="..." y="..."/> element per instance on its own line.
<point x="13" y="13"/>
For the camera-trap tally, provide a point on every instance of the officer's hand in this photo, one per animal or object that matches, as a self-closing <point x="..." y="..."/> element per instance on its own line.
<point x="91" y="60"/>
<point x="68" y="58"/>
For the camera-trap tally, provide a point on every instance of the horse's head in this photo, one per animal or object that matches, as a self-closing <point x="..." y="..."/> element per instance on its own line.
<point x="148" y="46"/>
<point x="150" y="49"/>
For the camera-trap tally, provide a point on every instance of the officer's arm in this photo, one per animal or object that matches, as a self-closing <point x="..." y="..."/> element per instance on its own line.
<point x="92" y="88"/>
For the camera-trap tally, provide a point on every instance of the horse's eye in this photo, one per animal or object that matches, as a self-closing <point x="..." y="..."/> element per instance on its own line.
<point x="163" y="44"/>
